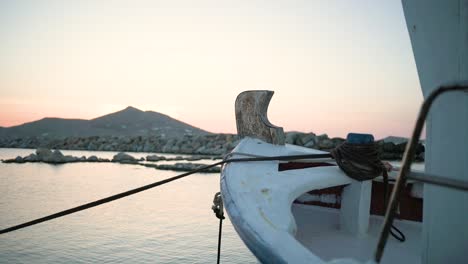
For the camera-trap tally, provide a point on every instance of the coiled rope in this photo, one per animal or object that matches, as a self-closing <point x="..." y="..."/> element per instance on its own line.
<point x="361" y="162"/>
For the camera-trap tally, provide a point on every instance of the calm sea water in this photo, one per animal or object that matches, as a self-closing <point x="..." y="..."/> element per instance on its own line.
<point x="172" y="223"/>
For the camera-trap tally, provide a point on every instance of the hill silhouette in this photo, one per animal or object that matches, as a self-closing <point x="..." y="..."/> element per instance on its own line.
<point x="127" y="122"/>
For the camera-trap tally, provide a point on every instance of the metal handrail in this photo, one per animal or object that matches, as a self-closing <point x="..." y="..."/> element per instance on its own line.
<point x="438" y="180"/>
<point x="405" y="168"/>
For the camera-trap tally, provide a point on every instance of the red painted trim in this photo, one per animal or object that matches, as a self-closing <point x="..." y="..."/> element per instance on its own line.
<point x="302" y="165"/>
<point x="411" y="208"/>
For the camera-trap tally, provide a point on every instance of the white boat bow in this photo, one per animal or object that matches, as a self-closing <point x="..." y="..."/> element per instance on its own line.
<point x="258" y="199"/>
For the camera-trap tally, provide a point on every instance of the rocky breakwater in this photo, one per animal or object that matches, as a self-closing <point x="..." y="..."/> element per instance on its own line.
<point x="213" y="144"/>
<point x="52" y="157"/>
<point x="56" y="157"/>
<point x="388" y="148"/>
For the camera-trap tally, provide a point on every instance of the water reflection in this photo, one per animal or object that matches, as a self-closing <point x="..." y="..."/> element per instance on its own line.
<point x="170" y="224"/>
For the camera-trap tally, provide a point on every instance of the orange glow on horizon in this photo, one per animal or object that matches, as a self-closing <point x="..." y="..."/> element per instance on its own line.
<point x="334" y="67"/>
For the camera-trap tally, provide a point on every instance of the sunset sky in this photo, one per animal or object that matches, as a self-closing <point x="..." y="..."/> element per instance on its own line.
<point x="335" y="66"/>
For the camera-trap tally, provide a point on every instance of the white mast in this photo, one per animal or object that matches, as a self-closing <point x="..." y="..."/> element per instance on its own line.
<point x="439" y="35"/>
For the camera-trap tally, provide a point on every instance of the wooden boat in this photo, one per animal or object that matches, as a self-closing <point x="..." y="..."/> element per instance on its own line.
<point x="260" y="196"/>
<point x="305" y="215"/>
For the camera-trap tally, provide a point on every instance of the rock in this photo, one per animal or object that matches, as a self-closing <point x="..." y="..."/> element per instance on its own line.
<point x="43" y="152"/>
<point x="400" y="147"/>
<point x="291" y="137"/>
<point x="69" y="158"/>
<point x="380" y="144"/>
<point x="47" y="156"/>
<point x="168" y="146"/>
<point x="124" y="158"/>
<point x="310" y="144"/>
<point x="322" y="137"/>
<point x="326" y="144"/>
<point x="55" y="158"/>
<point x="149" y="165"/>
<point x="92" y="159"/>
<point x="194" y="158"/>
<point x="389" y="147"/>
<point x="195" y="145"/>
<point x="201" y="150"/>
<point x="31" y="158"/>
<point x="174" y="149"/>
<point x="302" y="140"/>
<point x="92" y="146"/>
<point x="148" y="147"/>
<point x="420" y="149"/>
<point x="108" y="147"/>
<point x="337" y="141"/>
<point x="155" y="158"/>
<point x="229" y="146"/>
<point x="395" y="140"/>
<point x="186" y="148"/>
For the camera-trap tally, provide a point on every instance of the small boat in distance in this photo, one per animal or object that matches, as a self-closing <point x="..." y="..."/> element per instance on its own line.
<point x="315" y="213"/>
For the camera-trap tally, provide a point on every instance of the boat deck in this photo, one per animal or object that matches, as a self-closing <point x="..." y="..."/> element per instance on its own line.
<point x="258" y="197"/>
<point x="318" y="230"/>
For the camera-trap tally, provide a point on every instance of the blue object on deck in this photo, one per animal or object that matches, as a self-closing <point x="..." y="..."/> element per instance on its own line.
<point x="356" y="138"/>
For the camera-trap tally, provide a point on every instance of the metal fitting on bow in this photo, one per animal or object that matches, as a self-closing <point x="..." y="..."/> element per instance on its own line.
<point x="217" y="206"/>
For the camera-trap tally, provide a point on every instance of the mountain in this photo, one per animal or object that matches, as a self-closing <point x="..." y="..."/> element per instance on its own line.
<point x="127" y="122"/>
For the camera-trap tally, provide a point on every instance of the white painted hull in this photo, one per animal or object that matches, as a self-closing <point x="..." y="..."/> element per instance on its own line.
<point x="259" y="201"/>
